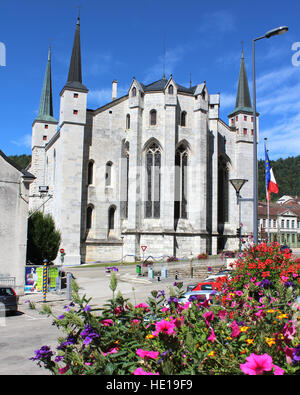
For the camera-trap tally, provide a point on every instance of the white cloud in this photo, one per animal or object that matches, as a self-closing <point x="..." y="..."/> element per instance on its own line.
<point x="100" y="97"/>
<point x="24" y="141"/>
<point x="227" y="100"/>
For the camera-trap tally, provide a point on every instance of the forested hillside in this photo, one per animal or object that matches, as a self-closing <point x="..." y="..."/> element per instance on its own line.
<point x="287" y="175"/>
<point x="21" y="160"/>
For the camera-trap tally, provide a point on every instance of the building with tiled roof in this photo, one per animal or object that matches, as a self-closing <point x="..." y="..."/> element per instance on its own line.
<point x="284" y="221"/>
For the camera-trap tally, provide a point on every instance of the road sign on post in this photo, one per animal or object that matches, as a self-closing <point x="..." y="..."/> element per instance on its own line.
<point x="143" y="249"/>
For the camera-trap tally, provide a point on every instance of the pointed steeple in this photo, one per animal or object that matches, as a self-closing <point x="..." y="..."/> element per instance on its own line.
<point x="75" y="76"/>
<point x="243" y="100"/>
<point x="46" y="104"/>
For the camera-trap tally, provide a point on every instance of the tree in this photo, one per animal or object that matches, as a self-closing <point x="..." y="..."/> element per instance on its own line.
<point x="43" y="239"/>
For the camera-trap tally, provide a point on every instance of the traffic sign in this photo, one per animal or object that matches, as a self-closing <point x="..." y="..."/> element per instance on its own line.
<point x="61" y="250"/>
<point x="143" y="248"/>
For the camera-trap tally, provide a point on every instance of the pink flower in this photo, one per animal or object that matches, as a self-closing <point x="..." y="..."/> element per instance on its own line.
<point x="63" y="370"/>
<point x="289" y="354"/>
<point x="278" y="371"/>
<point x="142" y="306"/>
<point x="288" y="332"/>
<point x="209" y="316"/>
<point x="141" y="371"/>
<point x="163" y="326"/>
<point x="164" y="309"/>
<point x="257" y="364"/>
<point x="212" y="336"/>
<point x="107" y="322"/>
<point x="235" y="329"/>
<point x="111" y="351"/>
<point x="147" y="354"/>
<point x="222" y="314"/>
<point x="239" y="293"/>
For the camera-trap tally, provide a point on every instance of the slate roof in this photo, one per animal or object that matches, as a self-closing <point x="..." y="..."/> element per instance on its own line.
<point x="75" y="75"/>
<point x="161" y="84"/>
<point x="243" y="100"/>
<point x="46" y="104"/>
<point x="25" y="173"/>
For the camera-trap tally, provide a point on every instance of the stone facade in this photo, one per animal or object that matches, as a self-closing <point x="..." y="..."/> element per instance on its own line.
<point x="14" y="191"/>
<point x="149" y="168"/>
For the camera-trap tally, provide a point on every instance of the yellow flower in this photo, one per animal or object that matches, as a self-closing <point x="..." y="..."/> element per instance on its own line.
<point x="270" y="341"/>
<point x="211" y="354"/>
<point x="244" y="328"/>
<point x="150" y="336"/>
<point x="250" y="341"/>
<point x="228" y="338"/>
<point x="270" y="311"/>
<point x="281" y="316"/>
<point x="280" y="336"/>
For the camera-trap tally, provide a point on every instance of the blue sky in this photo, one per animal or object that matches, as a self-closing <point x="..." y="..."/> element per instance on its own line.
<point x="121" y="39"/>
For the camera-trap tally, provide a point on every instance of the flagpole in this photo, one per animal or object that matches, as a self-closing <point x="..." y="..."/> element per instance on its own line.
<point x="268" y="205"/>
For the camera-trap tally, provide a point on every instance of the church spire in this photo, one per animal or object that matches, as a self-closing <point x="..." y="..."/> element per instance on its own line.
<point x="74" y="76"/>
<point x="243" y="100"/>
<point x="46" y="104"/>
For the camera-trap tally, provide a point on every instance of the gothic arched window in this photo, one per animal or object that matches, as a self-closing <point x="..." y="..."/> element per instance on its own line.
<point x="170" y="90"/>
<point x="127" y="121"/>
<point x="111" y="218"/>
<point x="181" y="162"/>
<point x="153" y="164"/>
<point x="89" y="217"/>
<point x="133" y="92"/>
<point x="183" y="118"/>
<point x="108" y="174"/>
<point x="223" y="189"/>
<point x="153" y="116"/>
<point x="124" y="179"/>
<point x="90" y="172"/>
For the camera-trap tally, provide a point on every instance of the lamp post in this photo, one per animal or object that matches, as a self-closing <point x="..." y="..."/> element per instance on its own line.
<point x="237" y="184"/>
<point x="270" y="33"/>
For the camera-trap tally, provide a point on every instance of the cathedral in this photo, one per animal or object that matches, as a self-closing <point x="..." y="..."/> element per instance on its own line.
<point x="147" y="171"/>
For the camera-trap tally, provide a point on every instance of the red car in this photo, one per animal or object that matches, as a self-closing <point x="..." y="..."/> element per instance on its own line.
<point x="205" y="286"/>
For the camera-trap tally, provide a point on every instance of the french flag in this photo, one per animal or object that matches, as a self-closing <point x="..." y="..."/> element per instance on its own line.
<point x="271" y="184"/>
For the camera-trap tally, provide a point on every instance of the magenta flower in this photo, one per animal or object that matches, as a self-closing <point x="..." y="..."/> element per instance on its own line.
<point x="209" y="316"/>
<point x="107" y="322"/>
<point x="163" y="326"/>
<point x="111" y="351"/>
<point x="257" y="364"/>
<point x="222" y="314"/>
<point x="142" y="306"/>
<point x="235" y="329"/>
<point x="212" y="336"/>
<point x="278" y="371"/>
<point x="141" y="371"/>
<point x="147" y="354"/>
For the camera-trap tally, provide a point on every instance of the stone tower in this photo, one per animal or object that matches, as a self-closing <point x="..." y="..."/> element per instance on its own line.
<point x="69" y="161"/>
<point x="241" y="119"/>
<point x="43" y="129"/>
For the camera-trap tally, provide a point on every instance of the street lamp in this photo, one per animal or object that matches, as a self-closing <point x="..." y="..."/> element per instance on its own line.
<point x="237" y="184"/>
<point x="270" y="33"/>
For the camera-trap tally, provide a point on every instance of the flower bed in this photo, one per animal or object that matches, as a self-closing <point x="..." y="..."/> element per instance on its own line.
<point x="252" y="328"/>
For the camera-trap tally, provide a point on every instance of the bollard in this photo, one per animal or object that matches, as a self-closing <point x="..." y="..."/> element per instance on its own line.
<point x="45" y="280"/>
<point x="176" y="275"/>
<point x="69" y="286"/>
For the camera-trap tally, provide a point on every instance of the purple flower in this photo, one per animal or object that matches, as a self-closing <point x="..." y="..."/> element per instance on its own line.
<point x="289" y="284"/>
<point x="43" y="353"/>
<point x="173" y="299"/>
<point x="70" y="340"/>
<point x="88" y="334"/>
<point x="296" y="355"/>
<point x="265" y="283"/>
<point x="87" y="308"/>
<point x="61" y="317"/>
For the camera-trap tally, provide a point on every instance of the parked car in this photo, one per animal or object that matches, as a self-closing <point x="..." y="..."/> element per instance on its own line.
<point x="8" y="299"/>
<point x="285" y="249"/>
<point x="198" y="295"/>
<point x="205" y="286"/>
<point x="190" y="287"/>
<point x="223" y="273"/>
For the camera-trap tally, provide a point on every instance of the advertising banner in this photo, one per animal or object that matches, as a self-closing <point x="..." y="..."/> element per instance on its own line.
<point x="34" y="278"/>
